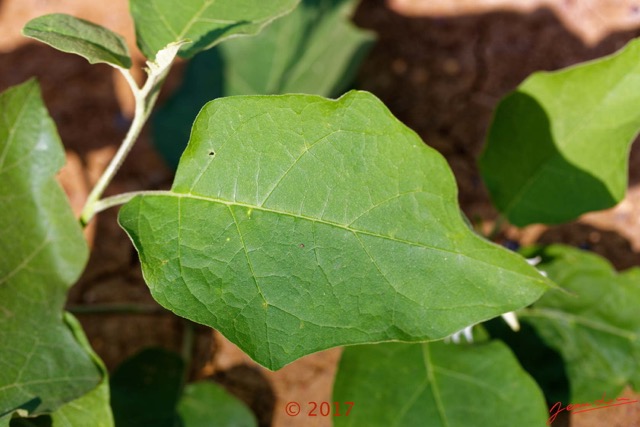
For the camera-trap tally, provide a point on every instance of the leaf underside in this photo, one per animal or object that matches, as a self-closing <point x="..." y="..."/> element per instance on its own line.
<point x="297" y="223"/>
<point x="447" y="384"/>
<point x="42" y="363"/>
<point x="558" y="146"/>
<point x="594" y="326"/>
<point x="93" y="42"/>
<point x="204" y="22"/>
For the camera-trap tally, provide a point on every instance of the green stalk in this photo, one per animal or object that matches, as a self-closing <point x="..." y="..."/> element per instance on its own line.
<point x="145" y="99"/>
<point x="116" y="309"/>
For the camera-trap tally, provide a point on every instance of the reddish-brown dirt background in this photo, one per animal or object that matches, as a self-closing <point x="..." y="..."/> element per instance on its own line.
<point x="440" y="66"/>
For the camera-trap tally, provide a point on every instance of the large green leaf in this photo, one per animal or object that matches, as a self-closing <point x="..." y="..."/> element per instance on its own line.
<point x="594" y="324"/>
<point x="73" y="35"/>
<point x="206" y="404"/>
<point x="558" y="146"/>
<point x="436" y="384"/>
<point x="297" y="223"/>
<point x="42" y="363"/>
<point x="314" y="50"/>
<point x="205" y="22"/>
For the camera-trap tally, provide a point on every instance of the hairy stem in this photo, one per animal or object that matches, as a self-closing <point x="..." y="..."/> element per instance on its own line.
<point x="139" y="119"/>
<point x="145" y="99"/>
<point x="121" y="199"/>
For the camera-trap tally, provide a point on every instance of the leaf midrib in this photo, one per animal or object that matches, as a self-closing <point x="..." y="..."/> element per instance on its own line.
<point x="429" y="368"/>
<point x="331" y="223"/>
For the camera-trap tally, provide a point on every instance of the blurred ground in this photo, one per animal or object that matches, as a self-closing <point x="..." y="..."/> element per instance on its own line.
<point x="440" y="66"/>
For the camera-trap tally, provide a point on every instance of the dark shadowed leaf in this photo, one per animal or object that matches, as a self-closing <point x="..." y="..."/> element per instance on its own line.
<point x="145" y="389"/>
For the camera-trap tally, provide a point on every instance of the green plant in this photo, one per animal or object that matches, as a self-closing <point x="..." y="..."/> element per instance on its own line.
<point x="297" y="223"/>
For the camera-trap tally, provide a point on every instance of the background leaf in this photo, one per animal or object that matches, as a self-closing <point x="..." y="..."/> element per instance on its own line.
<point x="447" y="384"/>
<point x="84" y="38"/>
<point x="544" y="364"/>
<point x="314" y="50"/>
<point x="206" y="404"/>
<point x="558" y="146"/>
<point x="145" y="389"/>
<point x="42" y="363"/>
<point x="297" y="223"/>
<point x="205" y="22"/>
<point x="594" y="325"/>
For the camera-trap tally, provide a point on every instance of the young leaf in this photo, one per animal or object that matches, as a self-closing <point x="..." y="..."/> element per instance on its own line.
<point x="558" y="146"/>
<point x="594" y="326"/>
<point x="91" y="41"/>
<point x="206" y="404"/>
<point x="313" y="50"/>
<point x="205" y="22"/>
<point x="297" y="223"/>
<point x="436" y="384"/>
<point x="42" y="363"/>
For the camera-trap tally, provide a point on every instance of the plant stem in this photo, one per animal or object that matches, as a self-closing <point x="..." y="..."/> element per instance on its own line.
<point x="188" y="338"/>
<point x="116" y="308"/>
<point x="145" y="99"/>
<point x="140" y="117"/>
<point x="120" y="199"/>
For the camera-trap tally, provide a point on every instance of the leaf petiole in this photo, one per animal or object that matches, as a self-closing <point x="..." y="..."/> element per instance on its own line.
<point x="121" y="199"/>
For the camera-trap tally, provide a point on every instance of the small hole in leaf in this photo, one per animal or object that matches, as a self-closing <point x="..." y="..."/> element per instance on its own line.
<point x="212" y="153"/>
<point x="301" y="245"/>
